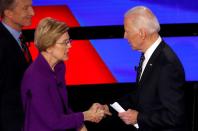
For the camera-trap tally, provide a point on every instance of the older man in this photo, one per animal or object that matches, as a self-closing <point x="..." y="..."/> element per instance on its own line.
<point x="159" y="101"/>
<point x="158" y="104"/>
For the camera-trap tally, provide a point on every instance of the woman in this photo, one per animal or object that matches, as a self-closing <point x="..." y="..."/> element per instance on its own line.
<point x="43" y="86"/>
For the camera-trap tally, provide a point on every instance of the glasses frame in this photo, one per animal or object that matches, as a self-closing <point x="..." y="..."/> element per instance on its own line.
<point x="67" y="42"/>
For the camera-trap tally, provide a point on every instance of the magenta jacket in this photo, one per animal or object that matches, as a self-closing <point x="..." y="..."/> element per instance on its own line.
<point x="45" y="101"/>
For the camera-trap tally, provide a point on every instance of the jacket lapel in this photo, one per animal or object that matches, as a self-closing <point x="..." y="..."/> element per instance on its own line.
<point x="15" y="48"/>
<point x="151" y="63"/>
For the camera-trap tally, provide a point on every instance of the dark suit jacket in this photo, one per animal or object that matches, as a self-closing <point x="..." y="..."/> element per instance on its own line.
<point x="160" y="94"/>
<point x="12" y="67"/>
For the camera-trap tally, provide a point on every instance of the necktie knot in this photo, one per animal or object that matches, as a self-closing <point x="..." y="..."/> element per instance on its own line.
<point x="142" y="59"/>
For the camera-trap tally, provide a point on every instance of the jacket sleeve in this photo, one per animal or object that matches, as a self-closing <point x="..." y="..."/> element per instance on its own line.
<point x="129" y="100"/>
<point x="171" y="95"/>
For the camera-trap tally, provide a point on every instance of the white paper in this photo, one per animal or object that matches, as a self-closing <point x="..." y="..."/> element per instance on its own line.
<point x="119" y="108"/>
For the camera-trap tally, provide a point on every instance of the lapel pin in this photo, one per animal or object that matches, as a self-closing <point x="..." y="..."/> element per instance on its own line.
<point x="151" y="64"/>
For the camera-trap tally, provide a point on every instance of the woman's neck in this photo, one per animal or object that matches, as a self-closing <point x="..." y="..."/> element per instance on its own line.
<point x="50" y="60"/>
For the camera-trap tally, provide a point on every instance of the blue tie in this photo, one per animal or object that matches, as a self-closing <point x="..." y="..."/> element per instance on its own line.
<point x="139" y="69"/>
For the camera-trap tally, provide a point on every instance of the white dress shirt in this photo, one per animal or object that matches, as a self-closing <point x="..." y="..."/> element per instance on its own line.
<point x="149" y="52"/>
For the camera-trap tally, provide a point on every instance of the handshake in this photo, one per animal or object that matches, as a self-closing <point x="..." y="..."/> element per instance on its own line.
<point x="96" y="113"/>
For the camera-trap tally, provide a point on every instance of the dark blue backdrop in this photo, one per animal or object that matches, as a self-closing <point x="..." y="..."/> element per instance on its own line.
<point x="116" y="53"/>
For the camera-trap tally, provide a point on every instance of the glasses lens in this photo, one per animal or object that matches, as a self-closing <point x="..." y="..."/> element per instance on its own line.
<point x="68" y="41"/>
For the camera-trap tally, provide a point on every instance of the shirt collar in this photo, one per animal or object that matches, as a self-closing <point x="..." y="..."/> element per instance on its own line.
<point x="152" y="48"/>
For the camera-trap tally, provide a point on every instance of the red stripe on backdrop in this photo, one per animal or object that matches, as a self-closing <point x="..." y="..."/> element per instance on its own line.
<point x="62" y="13"/>
<point x="84" y="65"/>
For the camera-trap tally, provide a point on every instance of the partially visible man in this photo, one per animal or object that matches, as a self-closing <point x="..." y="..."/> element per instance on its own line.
<point x="13" y="60"/>
<point x="158" y="104"/>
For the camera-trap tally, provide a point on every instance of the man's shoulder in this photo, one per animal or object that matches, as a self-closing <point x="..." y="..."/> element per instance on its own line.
<point x="3" y="39"/>
<point x="2" y="29"/>
<point x="169" y="55"/>
<point x="168" y="58"/>
<point x="4" y="35"/>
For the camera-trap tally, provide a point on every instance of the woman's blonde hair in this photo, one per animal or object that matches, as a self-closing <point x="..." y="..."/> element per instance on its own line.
<point x="48" y="32"/>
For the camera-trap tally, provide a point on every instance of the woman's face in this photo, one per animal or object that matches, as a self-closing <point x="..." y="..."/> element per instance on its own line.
<point x="60" y="50"/>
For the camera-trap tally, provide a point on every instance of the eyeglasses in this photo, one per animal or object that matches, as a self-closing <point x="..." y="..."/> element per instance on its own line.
<point x="66" y="42"/>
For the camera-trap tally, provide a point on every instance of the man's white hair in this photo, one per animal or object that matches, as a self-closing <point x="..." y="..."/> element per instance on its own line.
<point x="144" y="18"/>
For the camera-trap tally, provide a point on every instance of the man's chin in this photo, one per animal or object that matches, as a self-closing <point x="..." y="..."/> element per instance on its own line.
<point x="28" y="23"/>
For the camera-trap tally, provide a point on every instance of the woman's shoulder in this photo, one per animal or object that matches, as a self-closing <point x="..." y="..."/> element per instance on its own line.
<point x="34" y="75"/>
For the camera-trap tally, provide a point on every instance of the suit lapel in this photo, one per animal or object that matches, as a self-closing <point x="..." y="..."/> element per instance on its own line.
<point x="151" y="63"/>
<point x="15" y="49"/>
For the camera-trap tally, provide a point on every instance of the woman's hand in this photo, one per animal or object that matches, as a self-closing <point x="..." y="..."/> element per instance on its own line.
<point x="94" y="114"/>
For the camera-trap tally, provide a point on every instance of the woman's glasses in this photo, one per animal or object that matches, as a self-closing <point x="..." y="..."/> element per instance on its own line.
<point x="66" y="42"/>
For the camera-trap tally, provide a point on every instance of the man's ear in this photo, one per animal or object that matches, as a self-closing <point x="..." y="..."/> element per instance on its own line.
<point x="142" y="33"/>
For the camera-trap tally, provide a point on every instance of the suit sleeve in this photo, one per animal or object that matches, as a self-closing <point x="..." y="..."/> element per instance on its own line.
<point x="43" y="106"/>
<point x="171" y="95"/>
<point x="128" y="101"/>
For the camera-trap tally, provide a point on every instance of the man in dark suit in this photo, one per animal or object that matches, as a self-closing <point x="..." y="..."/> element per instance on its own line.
<point x="158" y="103"/>
<point x="14" y="15"/>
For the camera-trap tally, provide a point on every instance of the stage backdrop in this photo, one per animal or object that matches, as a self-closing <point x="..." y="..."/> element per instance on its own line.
<point x="97" y="61"/>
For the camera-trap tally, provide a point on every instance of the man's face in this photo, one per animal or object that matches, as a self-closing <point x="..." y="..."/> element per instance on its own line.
<point x="21" y="14"/>
<point x="131" y="34"/>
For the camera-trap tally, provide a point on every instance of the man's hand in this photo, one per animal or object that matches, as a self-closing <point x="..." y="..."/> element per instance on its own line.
<point x="129" y="117"/>
<point x="106" y="110"/>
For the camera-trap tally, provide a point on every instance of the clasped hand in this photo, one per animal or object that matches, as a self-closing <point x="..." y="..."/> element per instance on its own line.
<point x="96" y="113"/>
